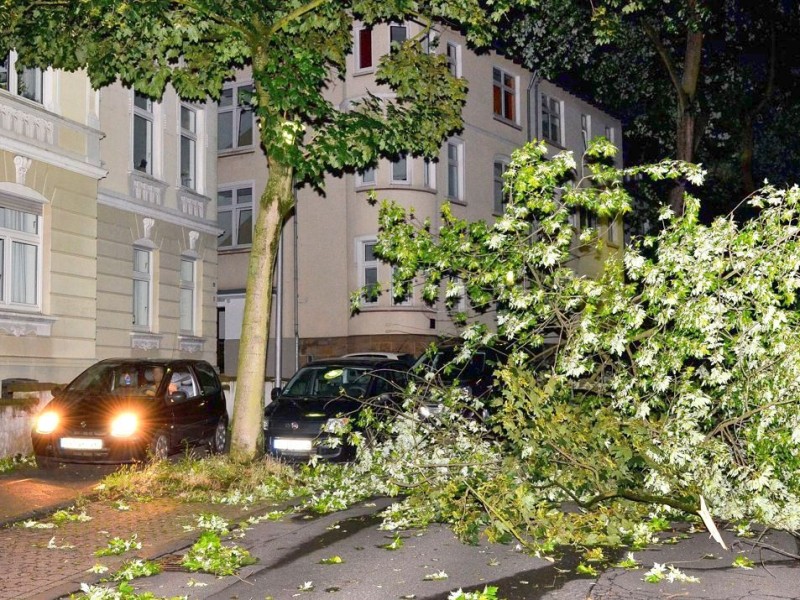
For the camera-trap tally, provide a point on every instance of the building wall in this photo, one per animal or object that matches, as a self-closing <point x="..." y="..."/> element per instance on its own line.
<point x="330" y="227"/>
<point x="156" y="212"/>
<point x="49" y="162"/>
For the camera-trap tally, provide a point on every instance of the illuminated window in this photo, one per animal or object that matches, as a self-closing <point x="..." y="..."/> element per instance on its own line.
<point x="504" y="86"/>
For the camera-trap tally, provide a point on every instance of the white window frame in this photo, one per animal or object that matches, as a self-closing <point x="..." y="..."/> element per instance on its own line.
<point x="13" y="85"/>
<point x="142" y="316"/>
<point x="586" y="130"/>
<point x="190" y="135"/>
<point x="235" y="209"/>
<point x="236" y="109"/>
<point x="9" y="237"/>
<point x="499" y="204"/>
<point x="455" y="166"/>
<point x="362" y="264"/>
<point x="359" y="52"/>
<point x="149" y="117"/>
<point x="608" y="132"/>
<point x="403" y="178"/>
<point x="453" y="55"/>
<point x="188" y="295"/>
<point x="429" y="174"/>
<point x="546" y="109"/>
<point x="502" y="88"/>
<point x="399" y="27"/>
<point x="367" y="177"/>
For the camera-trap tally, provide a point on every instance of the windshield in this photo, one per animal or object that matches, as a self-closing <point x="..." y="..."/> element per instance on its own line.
<point x="119" y="378"/>
<point x="327" y="381"/>
<point x="443" y="364"/>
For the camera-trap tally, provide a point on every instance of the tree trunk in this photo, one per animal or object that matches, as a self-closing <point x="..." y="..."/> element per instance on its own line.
<point x="248" y="407"/>
<point x="746" y="157"/>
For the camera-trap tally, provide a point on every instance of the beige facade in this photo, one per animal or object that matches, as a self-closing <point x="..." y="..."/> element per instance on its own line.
<point x="73" y="213"/>
<point x="326" y="244"/>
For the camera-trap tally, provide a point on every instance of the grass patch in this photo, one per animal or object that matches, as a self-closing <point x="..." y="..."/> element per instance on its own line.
<point x="10" y="463"/>
<point x="211" y="479"/>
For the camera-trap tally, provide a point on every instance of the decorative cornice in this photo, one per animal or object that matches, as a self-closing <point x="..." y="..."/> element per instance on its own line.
<point x="190" y="343"/>
<point x="167" y="215"/>
<point x="145" y="341"/>
<point x="18" y="324"/>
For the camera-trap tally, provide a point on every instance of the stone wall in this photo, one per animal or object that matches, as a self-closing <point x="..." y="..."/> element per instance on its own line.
<point x="16" y="419"/>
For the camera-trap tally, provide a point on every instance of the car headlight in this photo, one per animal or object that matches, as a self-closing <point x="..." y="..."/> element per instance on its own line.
<point x="124" y="425"/>
<point x="335" y="425"/>
<point x="47" y="422"/>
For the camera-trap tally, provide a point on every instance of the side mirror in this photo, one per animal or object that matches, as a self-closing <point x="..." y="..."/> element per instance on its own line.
<point x="276" y="391"/>
<point x="176" y="397"/>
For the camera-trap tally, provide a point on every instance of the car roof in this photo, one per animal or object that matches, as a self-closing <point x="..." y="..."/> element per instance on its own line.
<point x="371" y="361"/>
<point x="164" y="362"/>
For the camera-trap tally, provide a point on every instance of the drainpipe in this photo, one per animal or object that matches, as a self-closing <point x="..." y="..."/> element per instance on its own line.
<point x="533" y="130"/>
<point x="279" y="317"/>
<point x="296" y="289"/>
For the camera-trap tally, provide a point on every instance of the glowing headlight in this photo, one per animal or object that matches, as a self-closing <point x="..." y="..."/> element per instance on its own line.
<point x="47" y="422"/>
<point x="124" y="425"/>
<point x="335" y="425"/>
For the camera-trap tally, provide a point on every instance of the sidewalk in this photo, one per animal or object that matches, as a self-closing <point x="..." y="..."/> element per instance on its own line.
<point x="45" y="564"/>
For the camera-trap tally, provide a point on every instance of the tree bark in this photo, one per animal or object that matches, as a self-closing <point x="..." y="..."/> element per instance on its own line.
<point x="248" y="407"/>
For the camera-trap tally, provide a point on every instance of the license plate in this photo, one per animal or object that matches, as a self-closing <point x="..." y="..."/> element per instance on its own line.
<point x="81" y="444"/>
<point x="295" y="444"/>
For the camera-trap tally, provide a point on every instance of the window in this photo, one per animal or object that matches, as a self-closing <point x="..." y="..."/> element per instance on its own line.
<point x="20" y="243"/>
<point x="235" y="117"/>
<point x="429" y="174"/>
<point x="551" y="119"/>
<point x="501" y="196"/>
<point x="397" y="35"/>
<point x="29" y="83"/>
<point x="586" y="130"/>
<point x="400" y="301"/>
<point x="366" y="177"/>
<point x="142" y="286"/>
<point x="363" y="48"/>
<point x="454" y="59"/>
<point x="455" y="170"/>
<point x="187" y="295"/>
<point x="400" y="170"/>
<point x="609" y="133"/>
<point x="143" y="118"/>
<point x="368" y="269"/>
<point x="588" y="220"/>
<point x="188" y="147"/>
<point x="504" y="95"/>
<point x="235" y="216"/>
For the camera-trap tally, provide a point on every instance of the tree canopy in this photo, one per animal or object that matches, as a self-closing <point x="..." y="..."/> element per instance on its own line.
<point x="706" y="81"/>
<point x="295" y="49"/>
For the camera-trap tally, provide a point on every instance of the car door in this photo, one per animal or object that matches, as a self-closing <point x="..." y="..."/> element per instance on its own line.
<point x="186" y="406"/>
<point x="212" y="400"/>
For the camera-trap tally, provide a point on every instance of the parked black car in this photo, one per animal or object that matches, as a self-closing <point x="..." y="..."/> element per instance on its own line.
<point x="306" y="416"/>
<point x="126" y="410"/>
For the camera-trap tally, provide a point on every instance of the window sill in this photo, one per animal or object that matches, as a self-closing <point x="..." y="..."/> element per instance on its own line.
<point x="367" y="71"/>
<point x="504" y="121"/>
<point x="235" y="250"/>
<point x="190" y="343"/>
<point x="21" y="324"/>
<point x="236" y="151"/>
<point x="457" y="201"/>
<point x="145" y="341"/>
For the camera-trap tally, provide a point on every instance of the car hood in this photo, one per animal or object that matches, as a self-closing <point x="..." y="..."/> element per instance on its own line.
<point x="94" y="406"/>
<point x="286" y="407"/>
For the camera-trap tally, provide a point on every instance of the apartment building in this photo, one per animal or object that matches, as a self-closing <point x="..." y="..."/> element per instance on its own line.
<point x="107" y="225"/>
<point x="327" y="247"/>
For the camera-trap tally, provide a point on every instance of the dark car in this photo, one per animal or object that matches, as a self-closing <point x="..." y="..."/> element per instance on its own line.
<point x="305" y="418"/>
<point x="126" y="410"/>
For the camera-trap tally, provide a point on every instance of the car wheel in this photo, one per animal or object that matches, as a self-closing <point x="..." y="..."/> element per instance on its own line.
<point x="159" y="446"/>
<point x="219" y="441"/>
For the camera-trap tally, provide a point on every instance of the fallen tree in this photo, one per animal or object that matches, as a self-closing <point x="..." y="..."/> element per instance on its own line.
<point x="673" y="381"/>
